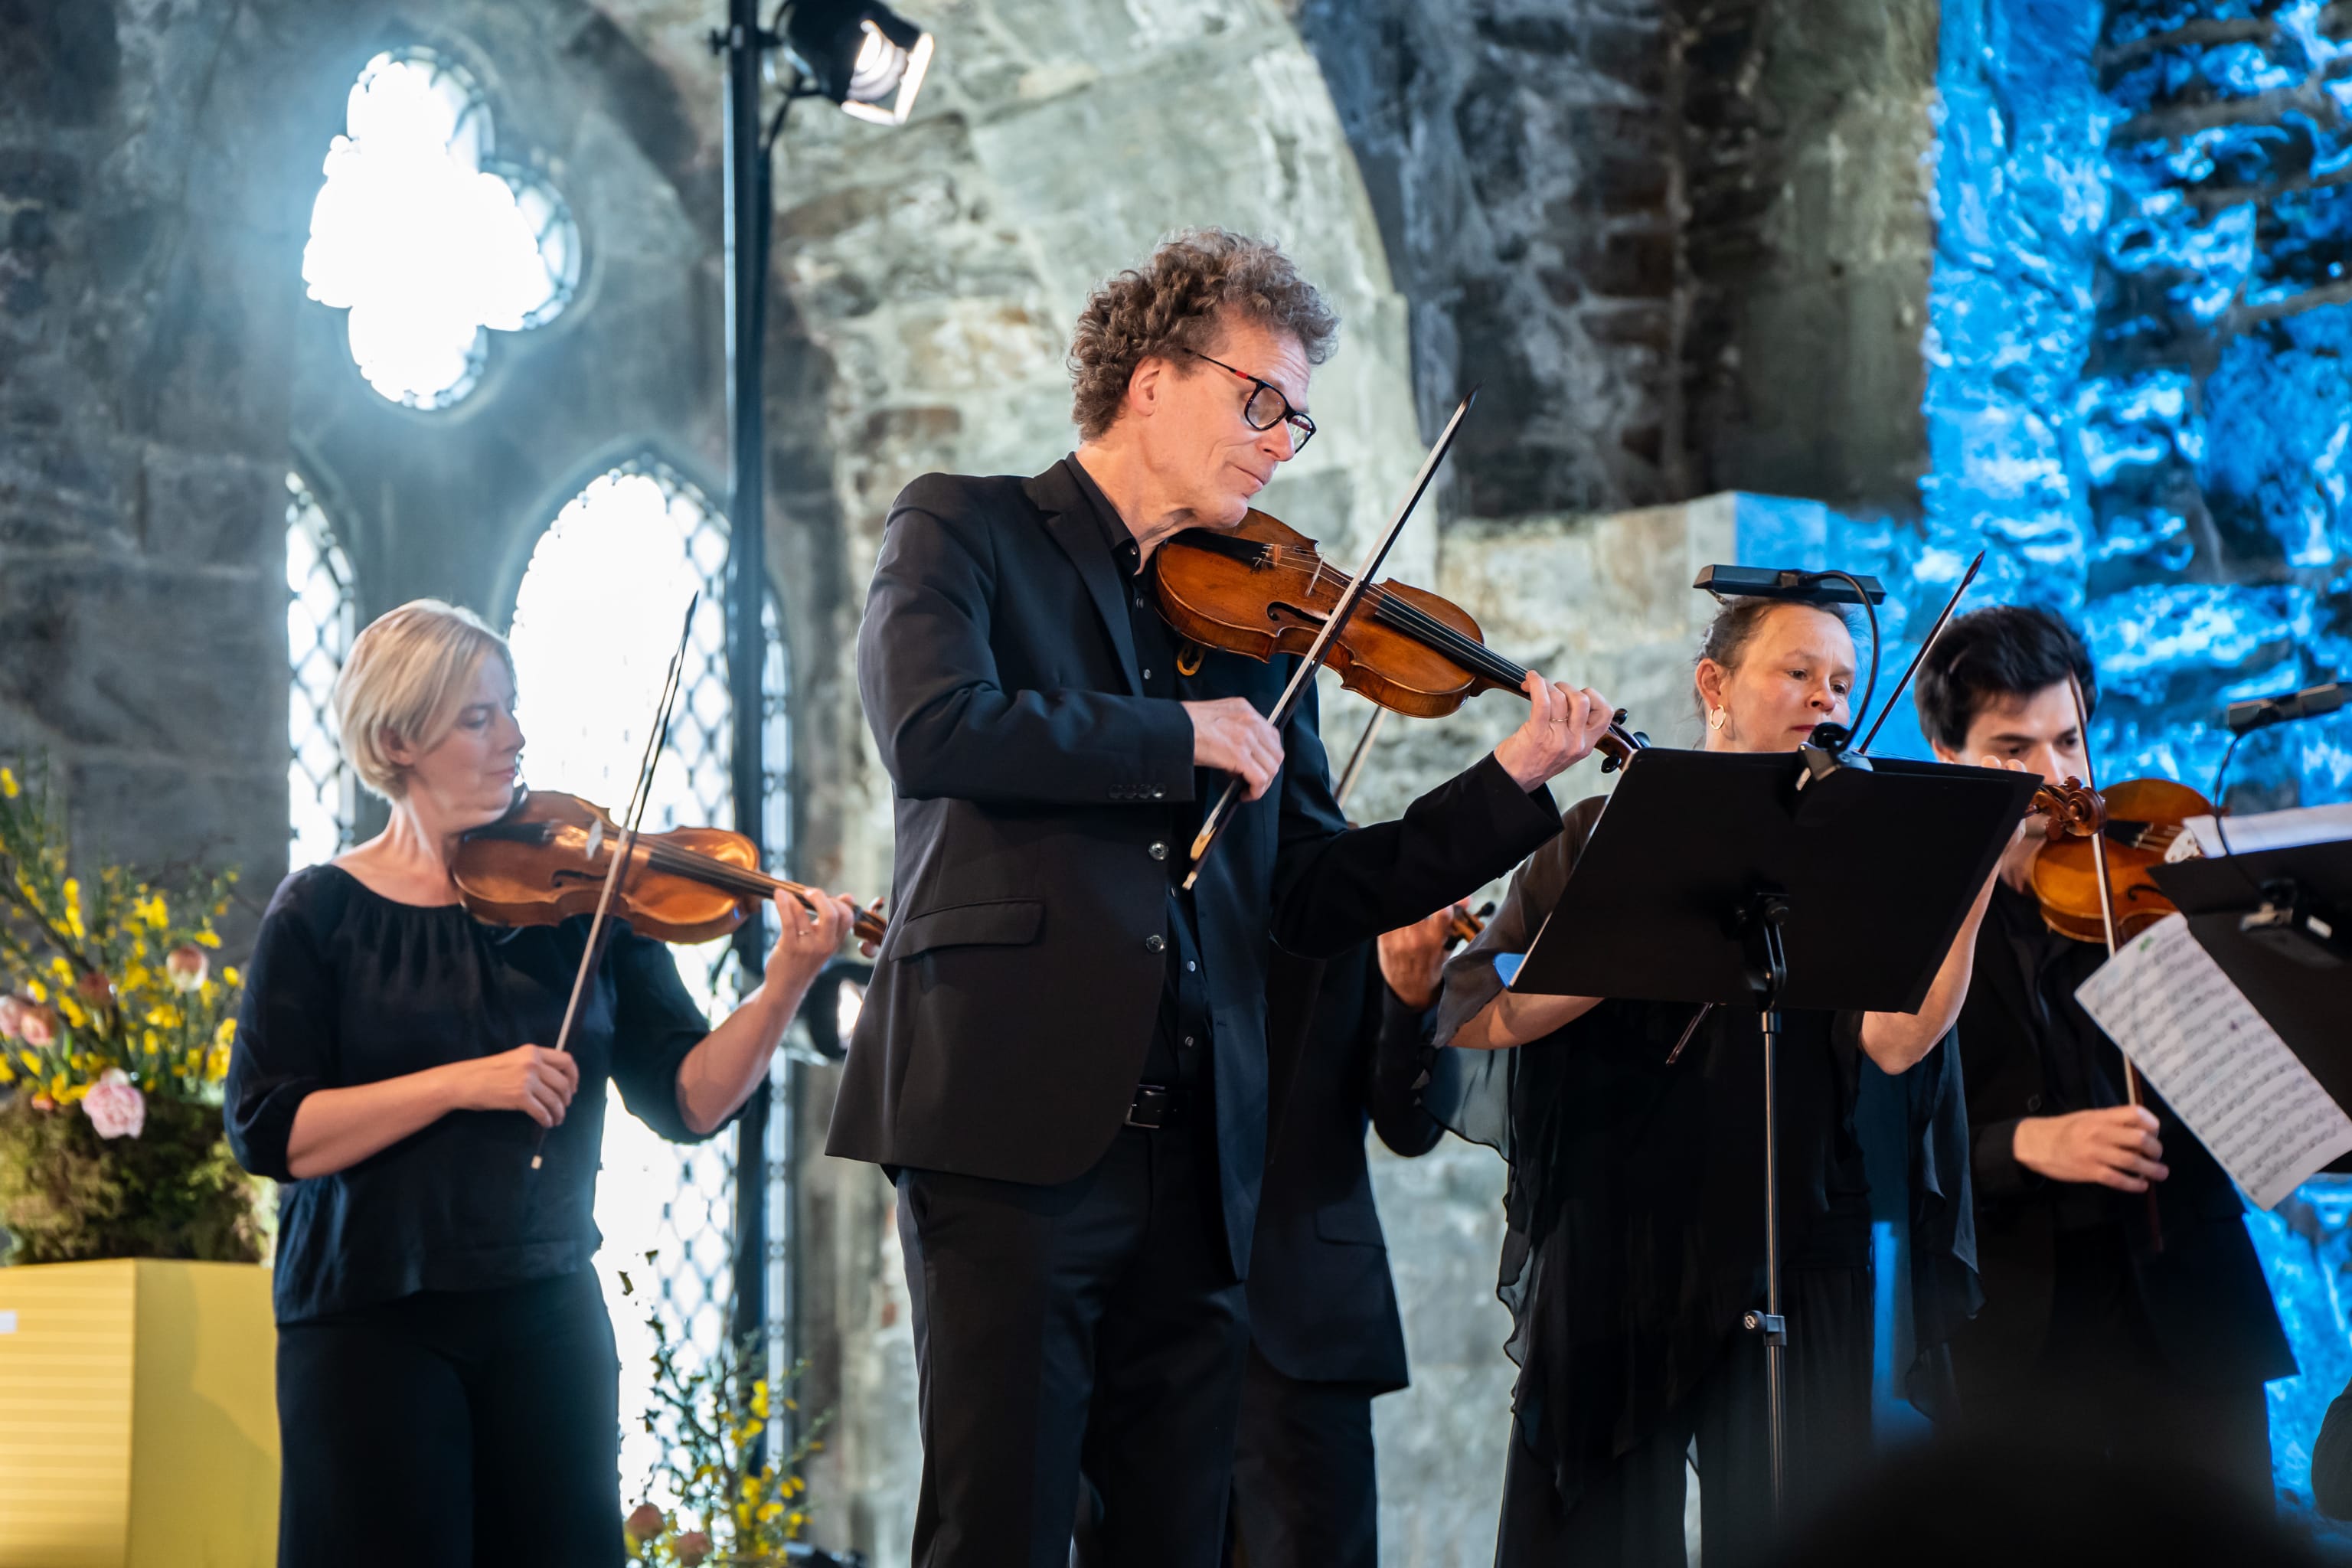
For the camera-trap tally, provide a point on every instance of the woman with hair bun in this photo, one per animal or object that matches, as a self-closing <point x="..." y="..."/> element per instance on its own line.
<point x="446" y="1382"/>
<point x="1635" y="1245"/>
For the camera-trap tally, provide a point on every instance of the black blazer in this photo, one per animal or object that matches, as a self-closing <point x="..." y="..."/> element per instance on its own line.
<point x="2204" y="1294"/>
<point x="1014" y="997"/>
<point x="1322" y="1305"/>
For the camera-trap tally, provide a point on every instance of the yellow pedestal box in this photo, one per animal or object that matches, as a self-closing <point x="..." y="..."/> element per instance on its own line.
<point x="138" y="1416"/>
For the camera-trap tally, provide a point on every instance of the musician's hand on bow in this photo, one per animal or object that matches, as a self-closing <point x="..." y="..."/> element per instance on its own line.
<point x="1563" y="726"/>
<point x="1412" y="958"/>
<point x="1232" y="737"/>
<point x="532" y="1080"/>
<point x="2116" y="1147"/>
<point x="809" y="939"/>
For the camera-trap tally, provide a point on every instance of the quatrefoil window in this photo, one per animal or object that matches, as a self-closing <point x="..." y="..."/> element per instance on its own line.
<point x="427" y="239"/>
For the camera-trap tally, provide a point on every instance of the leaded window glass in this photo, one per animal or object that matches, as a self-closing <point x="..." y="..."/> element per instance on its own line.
<point x="426" y="237"/>
<point x="321" y="619"/>
<point x="595" y="622"/>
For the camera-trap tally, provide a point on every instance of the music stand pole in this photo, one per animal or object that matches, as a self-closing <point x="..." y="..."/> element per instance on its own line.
<point x="1765" y="917"/>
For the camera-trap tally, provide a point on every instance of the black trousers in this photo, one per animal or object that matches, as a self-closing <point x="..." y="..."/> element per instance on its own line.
<point x="1304" y="1494"/>
<point x="1631" y="1512"/>
<point x="466" y="1429"/>
<point x="2101" y="1386"/>
<point x="1111" y="1293"/>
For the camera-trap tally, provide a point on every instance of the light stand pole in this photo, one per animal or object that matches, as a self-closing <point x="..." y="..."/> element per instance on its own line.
<point x="749" y="204"/>
<point x="870" y="62"/>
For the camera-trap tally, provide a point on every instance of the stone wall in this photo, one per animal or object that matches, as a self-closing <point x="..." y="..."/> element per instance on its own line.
<point x="143" y="254"/>
<point x="1683" y="244"/>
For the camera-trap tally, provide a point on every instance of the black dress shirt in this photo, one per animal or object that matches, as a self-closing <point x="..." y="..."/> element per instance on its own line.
<point x="1179" y="1038"/>
<point x="349" y="988"/>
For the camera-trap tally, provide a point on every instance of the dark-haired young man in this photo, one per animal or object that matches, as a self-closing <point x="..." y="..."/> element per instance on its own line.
<point x="2089" y="1332"/>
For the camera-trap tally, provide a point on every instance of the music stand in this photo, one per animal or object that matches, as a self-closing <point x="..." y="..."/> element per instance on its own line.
<point x="2305" y="1006"/>
<point x="1713" y="877"/>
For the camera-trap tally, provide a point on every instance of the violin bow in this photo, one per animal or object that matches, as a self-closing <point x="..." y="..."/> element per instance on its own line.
<point x="1925" y="643"/>
<point x="1358" y="758"/>
<point x="624" y="851"/>
<point x="2134" y="1094"/>
<point x="1303" y="678"/>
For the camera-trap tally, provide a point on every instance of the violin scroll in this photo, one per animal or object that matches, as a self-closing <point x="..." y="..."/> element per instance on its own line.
<point x="2074" y="809"/>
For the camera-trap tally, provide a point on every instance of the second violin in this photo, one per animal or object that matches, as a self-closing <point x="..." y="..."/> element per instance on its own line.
<point x="1262" y="589"/>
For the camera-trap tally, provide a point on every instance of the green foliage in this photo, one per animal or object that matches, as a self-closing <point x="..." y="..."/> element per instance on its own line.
<point x="739" y="1505"/>
<point x="108" y="984"/>
<point x="67" y="1195"/>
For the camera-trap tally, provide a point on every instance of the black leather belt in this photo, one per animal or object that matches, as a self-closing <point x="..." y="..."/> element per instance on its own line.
<point x="1157" y="1105"/>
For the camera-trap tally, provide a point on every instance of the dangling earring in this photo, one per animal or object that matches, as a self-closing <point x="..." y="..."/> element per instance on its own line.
<point x="1715" y="718"/>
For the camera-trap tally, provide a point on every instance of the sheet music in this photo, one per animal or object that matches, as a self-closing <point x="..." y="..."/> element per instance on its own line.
<point x="2223" y="1069"/>
<point x="2273" y="829"/>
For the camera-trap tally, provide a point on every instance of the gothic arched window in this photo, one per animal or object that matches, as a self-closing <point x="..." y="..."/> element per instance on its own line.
<point x="321" y="619"/>
<point x="595" y="622"/>
<point x="426" y="237"/>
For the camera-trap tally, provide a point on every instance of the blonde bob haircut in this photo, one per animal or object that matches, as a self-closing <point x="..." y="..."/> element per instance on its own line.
<point x="405" y="678"/>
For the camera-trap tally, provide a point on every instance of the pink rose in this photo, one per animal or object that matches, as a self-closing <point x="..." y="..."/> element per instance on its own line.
<point x="40" y="1027"/>
<point x="12" y="1016"/>
<point x="645" y="1522"/>
<point x="187" y="967"/>
<point x="692" y="1547"/>
<point x="96" y="989"/>
<point x="43" y="1102"/>
<point x="114" y="1105"/>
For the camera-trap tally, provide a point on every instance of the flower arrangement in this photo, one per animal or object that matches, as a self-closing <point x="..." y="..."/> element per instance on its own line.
<point x="114" y="1037"/>
<point x="735" y="1508"/>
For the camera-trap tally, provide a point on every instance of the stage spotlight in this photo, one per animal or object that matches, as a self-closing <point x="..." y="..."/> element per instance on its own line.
<point x="864" y="57"/>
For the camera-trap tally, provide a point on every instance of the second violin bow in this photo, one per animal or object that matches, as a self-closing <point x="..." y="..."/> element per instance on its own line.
<point x="1337" y="622"/>
<point x="1925" y="644"/>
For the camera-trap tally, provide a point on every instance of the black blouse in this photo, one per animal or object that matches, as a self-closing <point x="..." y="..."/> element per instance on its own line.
<point x="347" y="987"/>
<point x="1634" y="1212"/>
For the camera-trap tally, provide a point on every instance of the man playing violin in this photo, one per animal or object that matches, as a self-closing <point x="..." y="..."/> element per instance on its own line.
<point x="2091" y="1333"/>
<point x="1062" y="1060"/>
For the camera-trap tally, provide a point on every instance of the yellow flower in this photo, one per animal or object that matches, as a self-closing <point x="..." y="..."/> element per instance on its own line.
<point x="35" y="990"/>
<point x="32" y="1063"/>
<point x="226" y="1034"/>
<point x="152" y="1043"/>
<point x="207" y="939"/>
<point x="229" y="976"/>
<point x="153" y="911"/>
<point x="7" y="1073"/>
<point x="73" y="906"/>
<point x="8" y="783"/>
<point x="72" y="1010"/>
<point x="62" y="970"/>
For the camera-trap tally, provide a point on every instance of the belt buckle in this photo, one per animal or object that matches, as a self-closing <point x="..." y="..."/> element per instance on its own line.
<point x="1153" y="1108"/>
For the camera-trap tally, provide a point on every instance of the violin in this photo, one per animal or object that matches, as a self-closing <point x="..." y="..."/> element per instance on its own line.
<point x="547" y="859"/>
<point x="2141" y="820"/>
<point x="1262" y="589"/>
<point x="1464" y="926"/>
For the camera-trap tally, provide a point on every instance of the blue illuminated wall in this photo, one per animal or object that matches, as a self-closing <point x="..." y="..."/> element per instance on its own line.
<point x="2139" y="403"/>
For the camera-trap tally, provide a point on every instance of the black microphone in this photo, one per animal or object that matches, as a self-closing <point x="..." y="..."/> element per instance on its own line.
<point x="2307" y="703"/>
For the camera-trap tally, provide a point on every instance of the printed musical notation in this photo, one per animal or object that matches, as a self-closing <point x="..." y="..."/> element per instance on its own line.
<point x="2225" y="1071"/>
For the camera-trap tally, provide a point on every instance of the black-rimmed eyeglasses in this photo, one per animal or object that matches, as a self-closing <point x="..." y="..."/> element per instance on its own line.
<point x="1267" y="407"/>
